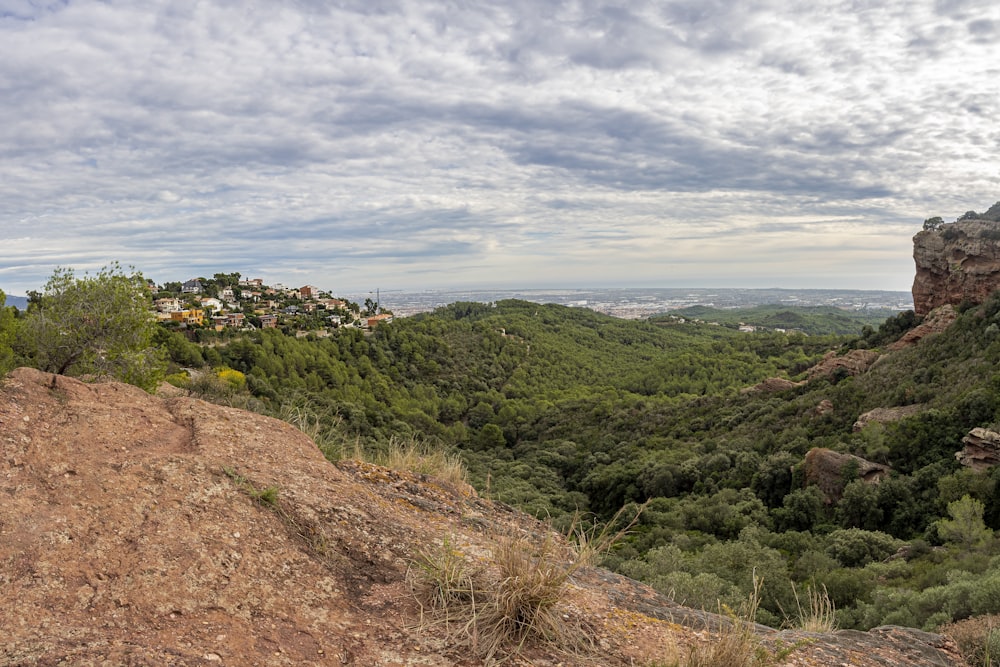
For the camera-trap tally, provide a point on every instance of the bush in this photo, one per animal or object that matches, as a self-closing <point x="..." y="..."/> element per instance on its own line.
<point x="853" y="547"/>
<point x="978" y="639"/>
<point x="96" y="325"/>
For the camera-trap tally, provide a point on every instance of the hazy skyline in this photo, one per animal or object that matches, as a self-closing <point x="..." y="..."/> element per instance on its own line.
<point x="410" y="144"/>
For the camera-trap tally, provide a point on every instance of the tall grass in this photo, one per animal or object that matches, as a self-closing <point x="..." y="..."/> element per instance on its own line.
<point x="321" y="425"/>
<point x="737" y="643"/>
<point x="494" y="609"/>
<point x="420" y="458"/>
<point x="497" y="607"/>
<point x="819" y="613"/>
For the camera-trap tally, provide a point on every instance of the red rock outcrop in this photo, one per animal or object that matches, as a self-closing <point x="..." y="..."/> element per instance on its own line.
<point x="937" y="320"/>
<point x="825" y="468"/>
<point x="853" y="362"/>
<point x="956" y="262"/>
<point x="139" y="530"/>
<point x="771" y="385"/>
<point x="887" y="415"/>
<point x="981" y="451"/>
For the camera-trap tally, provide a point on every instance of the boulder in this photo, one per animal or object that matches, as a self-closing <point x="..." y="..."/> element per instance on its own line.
<point x="853" y="362"/>
<point x="825" y="468"/>
<point x="981" y="451"/>
<point x="771" y="385"/>
<point x="824" y="407"/>
<point x="886" y="415"/>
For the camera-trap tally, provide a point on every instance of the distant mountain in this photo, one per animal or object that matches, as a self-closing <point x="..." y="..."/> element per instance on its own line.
<point x="20" y="302"/>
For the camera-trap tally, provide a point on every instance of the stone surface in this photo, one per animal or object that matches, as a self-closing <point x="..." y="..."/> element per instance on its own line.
<point x="981" y="451"/>
<point x="854" y="362"/>
<point x="937" y="320"/>
<point x="825" y="468"/>
<point x="771" y="385"/>
<point x="886" y="415"/>
<point x="955" y="262"/>
<point x="129" y="535"/>
<point x="824" y="407"/>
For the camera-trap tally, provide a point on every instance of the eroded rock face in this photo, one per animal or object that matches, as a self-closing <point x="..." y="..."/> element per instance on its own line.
<point x="886" y="415"/>
<point x="853" y="362"/>
<point x="981" y="451"/>
<point x="771" y="385"/>
<point x="824" y="407"/>
<point x="130" y="535"/>
<point x="937" y="321"/>
<point x="825" y="468"/>
<point x="956" y="262"/>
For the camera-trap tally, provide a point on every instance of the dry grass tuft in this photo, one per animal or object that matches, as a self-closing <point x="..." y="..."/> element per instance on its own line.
<point x="737" y="644"/>
<point x="594" y="542"/>
<point x="978" y="639"/>
<point x="321" y="425"/>
<point x="517" y="597"/>
<point x="422" y="459"/>
<point x="819" y="615"/>
<point x="496" y="609"/>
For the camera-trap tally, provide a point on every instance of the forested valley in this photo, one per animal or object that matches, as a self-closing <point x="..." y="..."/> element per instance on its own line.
<point x="564" y="413"/>
<point x="575" y="416"/>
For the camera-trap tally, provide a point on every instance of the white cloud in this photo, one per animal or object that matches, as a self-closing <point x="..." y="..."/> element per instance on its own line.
<point x="429" y="144"/>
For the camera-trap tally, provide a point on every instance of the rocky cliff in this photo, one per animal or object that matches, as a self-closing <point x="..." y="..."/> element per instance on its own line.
<point x="956" y="262"/>
<point x="138" y="530"/>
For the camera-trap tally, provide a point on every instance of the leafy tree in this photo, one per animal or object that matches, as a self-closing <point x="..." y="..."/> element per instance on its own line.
<point x="6" y="336"/>
<point x="99" y="324"/>
<point x="933" y="223"/>
<point x="802" y="509"/>
<point x="965" y="528"/>
<point x="853" y="547"/>
<point x="858" y="508"/>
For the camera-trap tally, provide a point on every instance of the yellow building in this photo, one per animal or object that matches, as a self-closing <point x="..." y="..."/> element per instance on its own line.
<point x="192" y="316"/>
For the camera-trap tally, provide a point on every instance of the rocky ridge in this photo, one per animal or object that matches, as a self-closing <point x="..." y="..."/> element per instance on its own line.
<point x="140" y="530"/>
<point x="956" y="262"/>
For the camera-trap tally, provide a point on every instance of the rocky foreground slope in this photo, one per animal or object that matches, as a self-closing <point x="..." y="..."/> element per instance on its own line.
<point x="138" y="530"/>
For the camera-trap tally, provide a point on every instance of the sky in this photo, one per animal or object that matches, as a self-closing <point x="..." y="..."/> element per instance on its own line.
<point x="452" y="144"/>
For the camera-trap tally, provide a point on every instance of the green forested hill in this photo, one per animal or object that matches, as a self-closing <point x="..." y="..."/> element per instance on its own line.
<point x="813" y="320"/>
<point x="559" y="410"/>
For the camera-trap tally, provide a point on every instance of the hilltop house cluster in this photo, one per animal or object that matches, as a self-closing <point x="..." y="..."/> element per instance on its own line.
<point x="251" y="304"/>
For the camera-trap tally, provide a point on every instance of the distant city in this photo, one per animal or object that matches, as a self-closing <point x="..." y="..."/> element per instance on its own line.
<point x="630" y="303"/>
<point x="639" y="303"/>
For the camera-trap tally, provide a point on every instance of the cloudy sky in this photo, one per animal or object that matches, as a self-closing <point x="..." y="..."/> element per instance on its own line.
<point x="415" y="144"/>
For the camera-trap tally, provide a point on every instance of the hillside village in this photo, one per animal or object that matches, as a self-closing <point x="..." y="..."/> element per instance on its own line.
<point x="230" y="302"/>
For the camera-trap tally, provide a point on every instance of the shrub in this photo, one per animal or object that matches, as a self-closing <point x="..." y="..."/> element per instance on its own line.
<point x="517" y="597"/>
<point x="853" y="547"/>
<point x="819" y="614"/>
<point x="494" y="610"/>
<point x="978" y="639"/>
<point x="95" y="325"/>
